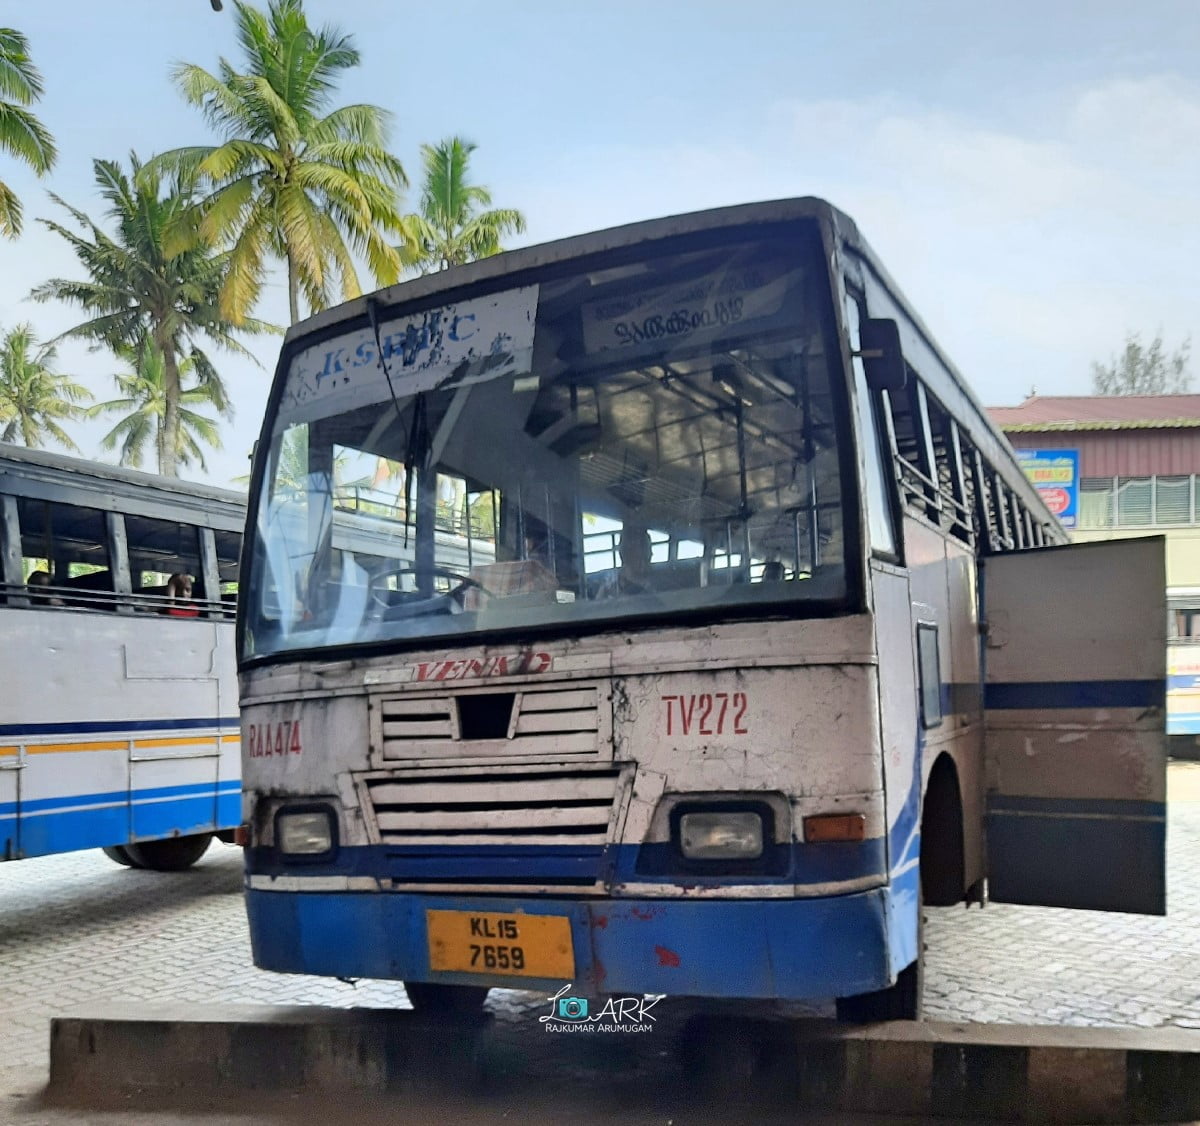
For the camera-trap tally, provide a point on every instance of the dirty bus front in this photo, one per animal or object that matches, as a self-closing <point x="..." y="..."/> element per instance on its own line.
<point x="585" y="611"/>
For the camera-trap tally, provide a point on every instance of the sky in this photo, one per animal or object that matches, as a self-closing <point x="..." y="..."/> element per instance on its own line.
<point x="1027" y="172"/>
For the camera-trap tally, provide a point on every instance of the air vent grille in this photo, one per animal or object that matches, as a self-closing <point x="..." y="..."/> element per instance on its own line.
<point x="536" y="807"/>
<point x="566" y="721"/>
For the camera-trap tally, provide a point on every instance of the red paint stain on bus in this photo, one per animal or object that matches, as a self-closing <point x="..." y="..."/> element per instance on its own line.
<point x="667" y="957"/>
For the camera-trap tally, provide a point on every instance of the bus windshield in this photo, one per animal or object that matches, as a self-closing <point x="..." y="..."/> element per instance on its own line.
<point x="642" y="436"/>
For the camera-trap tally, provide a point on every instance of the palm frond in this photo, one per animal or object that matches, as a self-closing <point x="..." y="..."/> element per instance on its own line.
<point x="360" y="123"/>
<point x="11" y="213"/>
<point x="220" y="104"/>
<point x="20" y="80"/>
<point x="22" y="135"/>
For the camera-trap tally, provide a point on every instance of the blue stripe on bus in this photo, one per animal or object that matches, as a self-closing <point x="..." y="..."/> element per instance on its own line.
<point x="1077" y="694"/>
<point x="906" y="830"/>
<point x="43" y="834"/>
<point x="789" y="948"/>
<point x="830" y="863"/>
<point x="101" y="727"/>
<point x="1077" y="807"/>
<point x="1183" y="723"/>
<point x="799" y="863"/>
<point x="69" y="801"/>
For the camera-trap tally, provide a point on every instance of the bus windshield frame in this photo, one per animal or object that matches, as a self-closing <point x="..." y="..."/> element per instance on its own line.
<point x="670" y="442"/>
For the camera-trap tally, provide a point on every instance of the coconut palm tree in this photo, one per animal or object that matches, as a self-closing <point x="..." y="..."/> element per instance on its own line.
<point x="34" y="398"/>
<point x="291" y="468"/>
<point x="293" y="178"/>
<point x="450" y="228"/>
<point x="139" y="288"/>
<point x="21" y="134"/>
<point x="143" y="391"/>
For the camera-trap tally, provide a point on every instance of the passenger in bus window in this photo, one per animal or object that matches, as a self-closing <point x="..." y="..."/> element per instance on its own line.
<point x="537" y="548"/>
<point x="772" y="571"/>
<point x="633" y="577"/>
<point x="41" y="579"/>
<point x="179" y="590"/>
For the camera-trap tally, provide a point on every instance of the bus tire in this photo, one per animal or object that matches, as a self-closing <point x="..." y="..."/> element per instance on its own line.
<point x="902" y="1001"/>
<point x="120" y="855"/>
<point x="172" y="854"/>
<point x="433" y="997"/>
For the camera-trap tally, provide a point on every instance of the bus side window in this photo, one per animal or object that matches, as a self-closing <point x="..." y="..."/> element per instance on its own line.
<point x="929" y="668"/>
<point x="158" y="551"/>
<point x="229" y="551"/>
<point x="68" y="544"/>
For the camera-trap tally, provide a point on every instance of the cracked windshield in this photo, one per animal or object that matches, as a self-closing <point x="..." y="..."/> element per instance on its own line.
<point x="655" y="437"/>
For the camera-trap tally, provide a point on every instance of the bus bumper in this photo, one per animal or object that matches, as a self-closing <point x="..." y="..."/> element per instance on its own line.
<point x="798" y="949"/>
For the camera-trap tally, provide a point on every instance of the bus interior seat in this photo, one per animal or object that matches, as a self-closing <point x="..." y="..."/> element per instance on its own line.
<point x="678" y="574"/>
<point x="503" y="580"/>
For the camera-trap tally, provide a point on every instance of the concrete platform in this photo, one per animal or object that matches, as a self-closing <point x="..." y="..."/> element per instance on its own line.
<point x="998" y="1072"/>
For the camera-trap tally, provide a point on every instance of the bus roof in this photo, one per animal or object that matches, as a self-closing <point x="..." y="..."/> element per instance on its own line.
<point x="61" y="472"/>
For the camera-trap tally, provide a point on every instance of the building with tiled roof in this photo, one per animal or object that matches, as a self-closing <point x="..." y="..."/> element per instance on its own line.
<point x="1049" y="413"/>
<point x="1135" y="460"/>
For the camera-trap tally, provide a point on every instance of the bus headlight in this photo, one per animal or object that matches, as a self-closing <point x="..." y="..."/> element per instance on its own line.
<point x="725" y="835"/>
<point x="304" y="832"/>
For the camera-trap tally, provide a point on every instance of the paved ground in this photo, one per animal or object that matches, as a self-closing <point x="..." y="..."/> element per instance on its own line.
<point x="77" y="930"/>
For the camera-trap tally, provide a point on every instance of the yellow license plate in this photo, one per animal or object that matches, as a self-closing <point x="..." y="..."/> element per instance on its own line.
<point x="488" y="942"/>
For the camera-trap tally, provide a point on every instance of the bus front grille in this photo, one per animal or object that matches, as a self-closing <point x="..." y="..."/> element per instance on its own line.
<point x="545" y="826"/>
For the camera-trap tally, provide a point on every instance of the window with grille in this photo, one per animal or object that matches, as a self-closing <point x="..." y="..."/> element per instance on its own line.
<point x="1185" y="624"/>
<point x="1172" y="500"/>
<point x="1096" y="502"/>
<point x="1135" y="501"/>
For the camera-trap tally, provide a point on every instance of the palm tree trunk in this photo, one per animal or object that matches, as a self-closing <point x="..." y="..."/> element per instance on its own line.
<point x="293" y="289"/>
<point x="168" y="448"/>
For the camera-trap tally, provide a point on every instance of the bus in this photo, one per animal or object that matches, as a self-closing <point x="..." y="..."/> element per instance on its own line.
<point x="1183" y="669"/>
<point x="714" y="633"/>
<point x="118" y="716"/>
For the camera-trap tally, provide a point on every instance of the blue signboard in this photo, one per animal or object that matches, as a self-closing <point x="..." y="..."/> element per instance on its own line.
<point x="1055" y="474"/>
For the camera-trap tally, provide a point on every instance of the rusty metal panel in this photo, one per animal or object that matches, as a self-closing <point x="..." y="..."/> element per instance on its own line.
<point x="1123" y="453"/>
<point x="1076" y="749"/>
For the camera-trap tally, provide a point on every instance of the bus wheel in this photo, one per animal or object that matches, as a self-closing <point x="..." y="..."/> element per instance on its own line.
<point x="120" y="854"/>
<point x="170" y="855"/>
<point x="433" y="997"/>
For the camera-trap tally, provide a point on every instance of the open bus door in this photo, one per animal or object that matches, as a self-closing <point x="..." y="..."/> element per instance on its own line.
<point x="1075" y="702"/>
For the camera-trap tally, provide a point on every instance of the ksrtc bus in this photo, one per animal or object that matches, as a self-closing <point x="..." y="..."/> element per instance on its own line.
<point x="1183" y="667"/>
<point x="714" y="627"/>
<point x="118" y="716"/>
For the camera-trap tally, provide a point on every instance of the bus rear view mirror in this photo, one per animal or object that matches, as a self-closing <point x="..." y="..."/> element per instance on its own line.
<point x="882" y="357"/>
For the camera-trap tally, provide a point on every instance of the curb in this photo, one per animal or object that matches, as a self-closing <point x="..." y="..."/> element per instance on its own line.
<point x="1011" y="1073"/>
<point x="1001" y="1072"/>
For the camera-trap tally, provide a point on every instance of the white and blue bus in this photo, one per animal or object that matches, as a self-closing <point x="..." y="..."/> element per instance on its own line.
<point x="712" y="626"/>
<point x="118" y="707"/>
